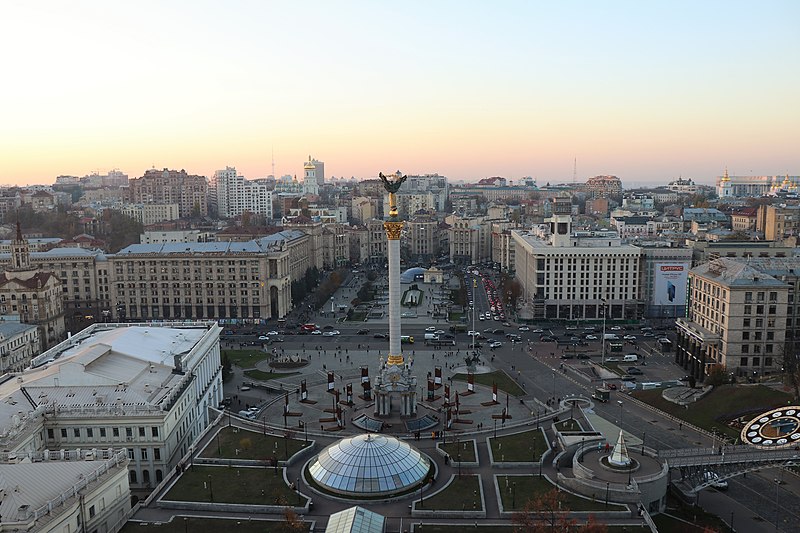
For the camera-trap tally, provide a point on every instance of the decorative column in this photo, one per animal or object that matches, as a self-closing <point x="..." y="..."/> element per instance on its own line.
<point x="393" y="226"/>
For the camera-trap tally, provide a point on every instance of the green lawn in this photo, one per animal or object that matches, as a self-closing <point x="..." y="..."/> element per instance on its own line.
<point x="265" y="376"/>
<point x="669" y="524"/>
<point x="209" y="525"/>
<point x="527" y="446"/>
<point x="528" y="487"/>
<point x="718" y="406"/>
<point x="463" y="493"/>
<point x="435" y="528"/>
<point x="245" y="358"/>
<point x="504" y="382"/>
<point x="252" y="445"/>
<point x="222" y="484"/>
<point x="569" y="425"/>
<point x="358" y="316"/>
<point x="464" y="447"/>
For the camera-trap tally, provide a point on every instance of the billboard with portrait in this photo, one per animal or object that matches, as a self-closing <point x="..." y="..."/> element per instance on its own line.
<point x="670" y="283"/>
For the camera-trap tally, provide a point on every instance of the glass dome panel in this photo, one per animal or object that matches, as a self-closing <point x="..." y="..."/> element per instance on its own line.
<point x="369" y="465"/>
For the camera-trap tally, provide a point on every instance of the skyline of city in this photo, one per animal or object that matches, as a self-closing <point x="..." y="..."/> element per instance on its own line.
<point x="645" y="92"/>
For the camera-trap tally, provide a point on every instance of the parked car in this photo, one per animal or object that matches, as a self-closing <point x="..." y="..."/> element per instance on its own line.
<point x="524" y="328"/>
<point x="635" y="371"/>
<point x="362" y="332"/>
<point x="380" y="336"/>
<point x="430" y="329"/>
<point x="716" y="482"/>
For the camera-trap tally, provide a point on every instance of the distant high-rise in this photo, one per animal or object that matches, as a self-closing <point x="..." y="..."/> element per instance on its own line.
<point x="314" y="171"/>
<point x="232" y="195"/>
<point x="172" y="187"/>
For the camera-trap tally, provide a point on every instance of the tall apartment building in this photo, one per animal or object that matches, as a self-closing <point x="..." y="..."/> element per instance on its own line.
<point x="433" y="187"/>
<point x="737" y="319"/>
<point x="573" y="276"/>
<point x="231" y="194"/>
<point x="166" y="186"/>
<point x="604" y="186"/>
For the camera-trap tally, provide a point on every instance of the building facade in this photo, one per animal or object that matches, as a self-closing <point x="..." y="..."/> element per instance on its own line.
<point x="19" y="343"/>
<point x="231" y="195"/>
<point x="147" y="388"/>
<point x="166" y="186"/>
<point x="577" y="276"/>
<point x="223" y="280"/>
<point x="736" y="320"/>
<point x="33" y="295"/>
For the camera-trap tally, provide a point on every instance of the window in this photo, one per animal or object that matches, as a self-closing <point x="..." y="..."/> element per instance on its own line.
<point x="743" y="361"/>
<point x="768" y="361"/>
<point x="130" y="454"/>
<point x="92" y="511"/>
<point x="103" y="432"/>
<point x="63" y="433"/>
<point x="157" y="454"/>
<point x="154" y="430"/>
<point x="115" y="432"/>
<point x="745" y="335"/>
<point x="746" y="323"/>
<point x="132" y="476"/>
<point x="748" y="309"/>
<point x="89" y="433"/>
<point x="141" y="431"/>
<point x="745" y="348"/>
<point x="129" y="432"/>
<point x="50" y="434"/>
<point x="144" y="454"/>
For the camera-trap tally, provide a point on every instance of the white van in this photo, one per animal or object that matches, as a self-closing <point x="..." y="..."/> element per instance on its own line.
<point x="630" y="358"/>
<point x="431" y="336"/>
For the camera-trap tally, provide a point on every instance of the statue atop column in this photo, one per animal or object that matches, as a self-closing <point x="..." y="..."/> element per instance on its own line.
<point x="392" y="186"/>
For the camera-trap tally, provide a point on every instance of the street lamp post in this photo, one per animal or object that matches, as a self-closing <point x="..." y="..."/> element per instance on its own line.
<point x="554" y="389"/>
<point x="603" y="356"/>
<point x="619" y="422"/>
<point x="210" y="488"/>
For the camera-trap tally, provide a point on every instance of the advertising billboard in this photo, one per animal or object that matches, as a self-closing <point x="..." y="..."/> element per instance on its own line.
<point x="670" y="283"/>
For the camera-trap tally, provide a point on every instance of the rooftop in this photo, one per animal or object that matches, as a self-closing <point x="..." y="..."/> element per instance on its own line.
<point x="107" y="369"/>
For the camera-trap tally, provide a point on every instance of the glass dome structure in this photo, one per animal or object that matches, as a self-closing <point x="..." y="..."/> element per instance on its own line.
<point x="411" y="274"/>
<point x="369" y="465"/>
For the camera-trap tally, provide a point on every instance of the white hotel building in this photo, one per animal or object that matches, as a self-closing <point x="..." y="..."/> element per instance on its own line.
<point x="570" y="276"/>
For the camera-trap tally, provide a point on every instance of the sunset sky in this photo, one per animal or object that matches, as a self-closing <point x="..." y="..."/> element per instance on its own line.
<point x="647" y="91"/>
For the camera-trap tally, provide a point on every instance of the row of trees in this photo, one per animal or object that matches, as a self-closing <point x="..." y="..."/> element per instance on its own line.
<point x="115" y="228"/>
<point x="302" y="287"/>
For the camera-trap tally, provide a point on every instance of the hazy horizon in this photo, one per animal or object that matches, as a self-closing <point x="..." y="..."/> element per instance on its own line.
<point x="644" y="91"/>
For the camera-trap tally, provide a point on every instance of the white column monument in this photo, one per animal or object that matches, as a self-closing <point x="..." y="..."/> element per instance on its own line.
<point x="394" y="378"/>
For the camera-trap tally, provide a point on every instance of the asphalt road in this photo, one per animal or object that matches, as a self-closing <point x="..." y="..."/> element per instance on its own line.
<point x="752" y="498"/>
